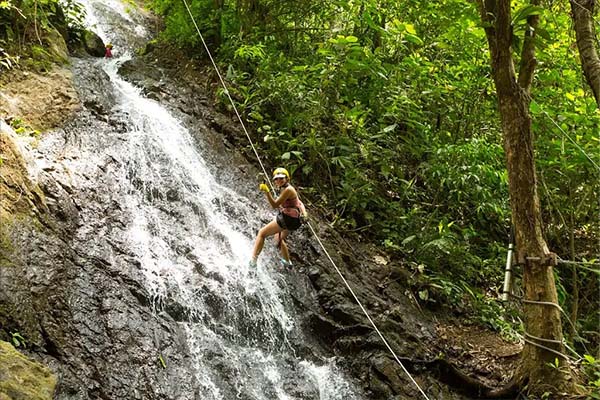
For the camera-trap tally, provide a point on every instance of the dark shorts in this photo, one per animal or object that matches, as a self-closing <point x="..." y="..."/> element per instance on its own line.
<point x="287" y="222"/>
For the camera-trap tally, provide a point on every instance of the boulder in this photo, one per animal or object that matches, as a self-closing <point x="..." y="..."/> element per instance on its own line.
<point x="57" y="46"/>
<point x="93" y="44"/>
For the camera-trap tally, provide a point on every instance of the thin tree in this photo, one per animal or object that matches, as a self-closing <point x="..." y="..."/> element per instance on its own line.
<point x="542" y="321"/>
<point x="582" y="12"/>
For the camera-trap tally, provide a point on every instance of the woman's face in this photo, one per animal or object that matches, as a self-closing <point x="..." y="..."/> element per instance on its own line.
<point x="279" y="181"/>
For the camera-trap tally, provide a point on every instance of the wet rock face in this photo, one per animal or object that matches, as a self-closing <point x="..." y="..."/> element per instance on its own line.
<point x="43" y="101"/>
<point x="78" y="301"/>
<point x="21" y="378"/>
<point x="70" y="289"/>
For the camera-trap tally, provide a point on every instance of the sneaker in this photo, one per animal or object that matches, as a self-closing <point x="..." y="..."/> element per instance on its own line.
<point x="252" y="264"/>
<point x="285" y="263"/>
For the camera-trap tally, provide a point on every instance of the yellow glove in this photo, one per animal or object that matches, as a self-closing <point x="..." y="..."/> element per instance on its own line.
<point x="264" y="188"/>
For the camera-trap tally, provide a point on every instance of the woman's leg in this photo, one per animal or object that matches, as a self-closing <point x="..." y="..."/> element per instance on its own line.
<point x="282" y="245"/>
<point x="270" y="229"/>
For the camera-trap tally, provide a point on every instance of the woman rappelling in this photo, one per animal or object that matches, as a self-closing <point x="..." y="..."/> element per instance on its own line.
<point x="289" y="217"/>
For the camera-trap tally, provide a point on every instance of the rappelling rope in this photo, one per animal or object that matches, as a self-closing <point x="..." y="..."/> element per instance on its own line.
<point x="227" y="92"/>
<point x="366" y="313"/>
<point x="308" y="223"/>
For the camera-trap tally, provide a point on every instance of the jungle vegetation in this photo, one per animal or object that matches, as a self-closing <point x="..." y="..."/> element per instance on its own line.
<point x="397" y="120"/>
<point x="395" y="117"/>
<point x="29" y="30"/>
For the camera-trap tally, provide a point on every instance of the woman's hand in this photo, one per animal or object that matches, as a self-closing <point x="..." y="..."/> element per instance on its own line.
<point x="264" y="188"/>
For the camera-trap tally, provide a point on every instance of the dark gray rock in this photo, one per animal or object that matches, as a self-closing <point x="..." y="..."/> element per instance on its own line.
<point x="93" y="44"/>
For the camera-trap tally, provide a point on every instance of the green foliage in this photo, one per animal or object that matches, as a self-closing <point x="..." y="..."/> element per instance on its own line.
<point x="162" y="361"/>
<point x="74" y="13"/>
<point x="386" y="112"/>
<point x="469" y="181"/>
<point x="21" y="128"/>
<point x="591" y="368"/>
<point x="18" y="340"/>
<point x="24" y="27"/>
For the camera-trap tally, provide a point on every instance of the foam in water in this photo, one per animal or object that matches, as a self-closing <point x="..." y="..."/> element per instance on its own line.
<point x="236" y="315"/>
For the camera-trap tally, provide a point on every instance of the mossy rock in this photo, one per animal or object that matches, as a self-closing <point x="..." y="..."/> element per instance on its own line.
<point x="57" y="46"/>
<point x="22" y="378"/>
<point x="93" y="44"/>
<point x="6" y="245"/>
<point x="41" y="58"/>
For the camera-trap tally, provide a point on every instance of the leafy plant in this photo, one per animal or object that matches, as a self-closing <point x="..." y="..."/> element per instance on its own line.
<point x="162" y="361"/>
<point x="8" y="61"/>
<point x="75" y="17"/>
<point x="22" y="128"/>
<point x="18" y="340"/>
<point x="24" y="26"/>
<point x="591" y="368"/>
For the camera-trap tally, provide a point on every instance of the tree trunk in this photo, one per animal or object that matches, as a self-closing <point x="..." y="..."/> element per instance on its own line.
<point x="541" y="321"/>
<point x="219" y="7"/>
<point x="582" y="12"/>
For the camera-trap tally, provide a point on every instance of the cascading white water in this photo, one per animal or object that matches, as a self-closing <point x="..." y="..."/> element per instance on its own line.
<point x="235" y="315"/>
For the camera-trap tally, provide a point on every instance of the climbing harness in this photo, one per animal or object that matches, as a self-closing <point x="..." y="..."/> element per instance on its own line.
<point x="307" y="222"/>
<point x="292" y="207"/>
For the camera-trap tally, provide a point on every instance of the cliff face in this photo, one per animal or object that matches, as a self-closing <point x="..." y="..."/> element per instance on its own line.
<point x="30" y="102"/>
<point x="22" y="203"/>
<point x="41" y="100"/>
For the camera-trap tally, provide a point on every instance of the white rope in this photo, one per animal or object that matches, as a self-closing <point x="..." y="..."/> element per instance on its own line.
<point x="227" y="93"/>
<point x="558" y="353"/>
<point x="365" y="312"/>
<point x="308" y="223"/>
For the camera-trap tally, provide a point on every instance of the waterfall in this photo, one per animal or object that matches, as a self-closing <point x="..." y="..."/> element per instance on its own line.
<point x="192" y="237"/>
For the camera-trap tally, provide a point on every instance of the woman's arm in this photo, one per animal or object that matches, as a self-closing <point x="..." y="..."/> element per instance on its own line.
<point x="287" y="193"/>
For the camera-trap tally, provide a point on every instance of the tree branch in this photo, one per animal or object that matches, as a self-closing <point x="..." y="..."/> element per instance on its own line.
<point x="582" y="14"/>
<point x="528" y="61"/>
<point x="487" y="10"/>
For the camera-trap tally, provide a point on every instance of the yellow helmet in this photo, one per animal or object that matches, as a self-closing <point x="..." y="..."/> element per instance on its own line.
<point x="281" y="173"/>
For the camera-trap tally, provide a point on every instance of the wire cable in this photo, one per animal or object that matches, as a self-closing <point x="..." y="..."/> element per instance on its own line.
<point x="563" y="261"/>
<point x="308" y="223"/>
<point x="582" y="265"/>
<point x="541" y="346"/>
<point x="549" y="303"/>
